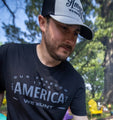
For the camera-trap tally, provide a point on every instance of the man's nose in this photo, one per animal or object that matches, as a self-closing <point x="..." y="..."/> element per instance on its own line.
<point x="70" y="37"/>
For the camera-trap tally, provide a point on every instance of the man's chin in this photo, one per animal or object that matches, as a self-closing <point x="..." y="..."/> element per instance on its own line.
<point x="62" y="57"/>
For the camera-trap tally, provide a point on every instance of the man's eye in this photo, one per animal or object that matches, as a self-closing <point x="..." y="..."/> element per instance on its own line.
<point x="64" y="28"/>
<point x="76" y="34"/>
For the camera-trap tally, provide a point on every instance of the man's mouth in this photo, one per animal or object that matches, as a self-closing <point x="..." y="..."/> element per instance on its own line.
<point x="67" y="47"/>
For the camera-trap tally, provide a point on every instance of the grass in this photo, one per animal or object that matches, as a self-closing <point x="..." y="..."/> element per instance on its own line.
<point x="3" y="109"/>
<point x="104" y="115"/>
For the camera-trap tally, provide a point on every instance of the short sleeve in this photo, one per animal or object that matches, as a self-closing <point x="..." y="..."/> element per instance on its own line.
<point x="78" y="105"/>
<point x="2" y="60"/>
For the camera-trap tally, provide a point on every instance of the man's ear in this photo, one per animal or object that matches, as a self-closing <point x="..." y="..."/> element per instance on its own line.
<point x="42" y="23"/>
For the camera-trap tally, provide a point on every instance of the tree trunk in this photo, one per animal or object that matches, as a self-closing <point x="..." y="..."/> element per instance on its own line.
<point x="108" y="83"/>
<point x="106" y="12"/>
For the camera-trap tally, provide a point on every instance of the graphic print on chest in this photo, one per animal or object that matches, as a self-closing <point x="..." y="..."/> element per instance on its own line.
<point x="38" y="91"/>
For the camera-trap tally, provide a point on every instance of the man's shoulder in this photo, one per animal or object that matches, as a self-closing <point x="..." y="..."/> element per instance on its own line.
<point x="71" y="70"/>
<point x="9" y="46"/>
<point x="70" y="67"/>
<point x="15" y="46"/>
<point x="14" y="49"/>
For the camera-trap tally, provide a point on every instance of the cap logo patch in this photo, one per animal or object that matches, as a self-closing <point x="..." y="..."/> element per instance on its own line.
<point x="75" y="8"/>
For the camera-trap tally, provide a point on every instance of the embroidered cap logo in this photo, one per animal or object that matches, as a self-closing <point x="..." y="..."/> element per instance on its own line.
<point x="75" y="8"/>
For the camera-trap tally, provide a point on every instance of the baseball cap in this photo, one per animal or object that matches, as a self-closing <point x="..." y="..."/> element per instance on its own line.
<point x="67" y="12"/>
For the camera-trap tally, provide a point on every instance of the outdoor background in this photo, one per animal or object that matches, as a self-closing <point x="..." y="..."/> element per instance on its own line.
<point x="92" y="59"/>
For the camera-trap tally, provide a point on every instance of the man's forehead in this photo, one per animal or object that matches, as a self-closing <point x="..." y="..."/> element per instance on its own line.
<point x="67" y="25"/>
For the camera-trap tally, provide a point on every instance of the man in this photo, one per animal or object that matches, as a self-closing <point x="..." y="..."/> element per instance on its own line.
<point x="40" y="84"/>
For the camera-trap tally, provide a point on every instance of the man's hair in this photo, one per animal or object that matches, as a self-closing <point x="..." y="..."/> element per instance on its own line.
<point x="48" y="18"/>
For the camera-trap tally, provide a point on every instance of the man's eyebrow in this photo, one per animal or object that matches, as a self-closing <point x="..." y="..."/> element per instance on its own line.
<point x="67" y="25"/>
<point x="77" y="29"/>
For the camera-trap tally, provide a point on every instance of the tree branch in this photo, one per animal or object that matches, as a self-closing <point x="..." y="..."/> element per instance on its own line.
<point x="12" y="13"/>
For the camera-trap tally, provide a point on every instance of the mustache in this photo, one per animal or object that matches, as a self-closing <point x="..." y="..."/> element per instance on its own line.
<point x="66" y="46"/>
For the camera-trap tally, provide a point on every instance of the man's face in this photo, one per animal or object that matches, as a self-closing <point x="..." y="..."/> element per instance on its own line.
<point x="60" y="39"/>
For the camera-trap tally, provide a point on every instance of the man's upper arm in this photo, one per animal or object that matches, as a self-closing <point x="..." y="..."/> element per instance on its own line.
<point x="75" y="117"/>
<point x="2" y="61"/>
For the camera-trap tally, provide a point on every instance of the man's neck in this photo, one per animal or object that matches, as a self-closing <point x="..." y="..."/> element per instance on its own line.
<point x="45" y="58"/>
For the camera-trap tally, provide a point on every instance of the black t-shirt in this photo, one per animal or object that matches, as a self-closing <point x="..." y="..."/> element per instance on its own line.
<point x="35" y="91"/>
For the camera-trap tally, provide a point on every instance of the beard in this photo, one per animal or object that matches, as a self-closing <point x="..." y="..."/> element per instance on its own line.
<point x="51" y="48"/>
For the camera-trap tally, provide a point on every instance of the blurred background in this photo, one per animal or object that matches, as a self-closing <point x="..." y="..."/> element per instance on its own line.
<point x="92" y="59"/>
